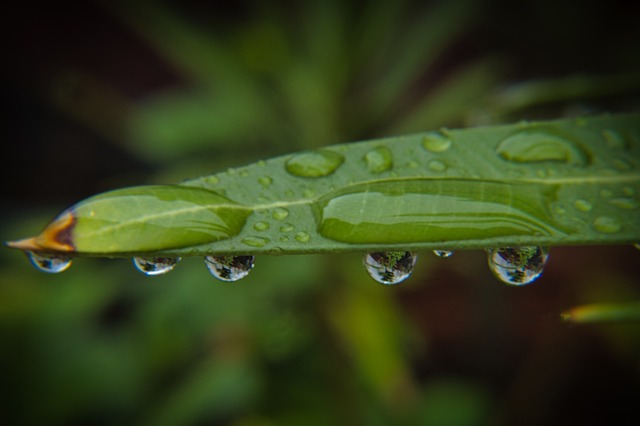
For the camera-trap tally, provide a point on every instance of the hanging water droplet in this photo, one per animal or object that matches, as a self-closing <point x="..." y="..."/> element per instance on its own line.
<point x="155" y="265"/>
<point x="607" y="225"/>
<point x="261" y="226"/>
<point x="265" y="181"/>
<point x="229" y="268"/>
<point x="582" y="205"/>
<point x="379" y="159"/>
<point x="256" y="241"/>
<point x="314" y="164"/>
<point x="390" y="267"/>
<point x="49" y="262"/>
<point x="443" y="253"/>
<point x="280" y="213"/>
<point x="436" y="142"/>
<point x="538" y="146"/>
<point x="302" y="237"/>
<point x="517" y="265"/>
<point x="437" y="166"/>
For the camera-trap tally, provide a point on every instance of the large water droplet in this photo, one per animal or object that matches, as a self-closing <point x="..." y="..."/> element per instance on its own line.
<point x="443" y="253"/>
<point x="607" y="225"/>
<point x="49" y="262"/>
<point x="155" y="265"/>
<point x="255" y="241"/>
<point x="303" y="237"/>
<point x="229" y="268"/>
<point x="314" y="164"/>
<point x="280" y="213"/>
<point x="436" y="142"/>
<point x="390" y="267"/>
<point x="379" y="159"/>
<point x="538" y="146"/>
<point x="517" y="265"/>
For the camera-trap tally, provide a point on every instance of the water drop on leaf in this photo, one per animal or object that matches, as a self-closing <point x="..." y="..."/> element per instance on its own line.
<point x="607" y="225"/>
<point x="437" y="166"/>
<point x="47" y="262"/>
<point x="314" y="164"/>
<point x="390" y="267"/>
<point x="261" y="226"/>
<point x="155" y="265"/>
<point x="229" y="268"/>
<point x="265" y="181"/>
<point x="582" y="205"/>
<point x="436" y="142"/>
<point x="538" y="146"/>
<point x="302" y="237"/>
<point x="255" y="241"/>
<point x="517" y="265"/>
<point x="379" y="159"/>
<point x="280" y="213"/>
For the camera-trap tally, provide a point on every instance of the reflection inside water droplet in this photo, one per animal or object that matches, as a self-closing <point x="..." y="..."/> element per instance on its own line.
<point x="517" y="265"/>
<point x="155" y="265"/>
<point x="229" y="268"/>
<point x="390" y="267"/>
<point x="48" y="262"/>
<point x="443" y="253"/>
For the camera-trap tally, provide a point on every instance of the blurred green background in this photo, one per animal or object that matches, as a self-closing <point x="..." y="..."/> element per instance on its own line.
<point x="100" y="95"/>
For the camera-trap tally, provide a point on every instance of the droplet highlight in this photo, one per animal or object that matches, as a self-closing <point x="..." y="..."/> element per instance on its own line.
<point x="229" y="268"/>
<point x="390" y="268"/>
<point x="155" y="265"/>
<point x="49" y="262"/>
<point x="539" y="146"/>
<point x="436" y="142"/>
<point x="607" y="225"/>
<point x="443" y="253"/>
<point x="314" y="164"/>
<point x="379" y="160"/>
<point x="517" y="265"/>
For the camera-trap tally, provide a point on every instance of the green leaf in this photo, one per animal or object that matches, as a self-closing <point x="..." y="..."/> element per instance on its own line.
<point x="563" y="182"/>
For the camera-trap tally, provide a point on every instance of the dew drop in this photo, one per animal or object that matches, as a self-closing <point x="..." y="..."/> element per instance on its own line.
<point x="436" y="142"/>
<point x="614" y="139"/>
<point x="443" y="253"/>
<point x="155" y="265"/>
<point x="283" y="239"/>
<point x="287" y="227"/>
<point x="255" y="241"/>
<point x="538" y="146"/>
<point x="582" y="205"/>
<point x="280" y="213"/>
<point x="229" y="268"/>
<point x="517" y="265"/>
<point x="308" y="193"/>
<point x="303" y="237"/>
<point x="314" y="164"/>
<point x="265" y="181"/>
<point x="607" y="225"/>
<point x="47" y="262"/>
<point x="390" y="268"/>
<point x="624" y="203"/>
<point x="437" y="166"/>
<point x="379" y="160"/>
<point x="261" y="226"/>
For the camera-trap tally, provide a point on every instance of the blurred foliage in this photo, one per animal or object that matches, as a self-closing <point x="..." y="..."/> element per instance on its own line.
<point x="118" y="93"/>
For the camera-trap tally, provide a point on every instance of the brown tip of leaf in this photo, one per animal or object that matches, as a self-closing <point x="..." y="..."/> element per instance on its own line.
<point x="56" y="237"/>
<point x="26" y="244"/>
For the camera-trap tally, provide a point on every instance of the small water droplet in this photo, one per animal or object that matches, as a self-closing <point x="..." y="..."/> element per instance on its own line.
<point x="582" y="205"/>
<point x="287" y="227"/>
<point x="229" y="268"/>
<point x="308" y="193"/>
<point x="412" y="165"/>
<point x="261" y="226"/>
<point x="436" y="142"/>
<point x="517" y="265"/>
<point x="624" y="203"/>
<point x="614" y="139"/>
<point x="443" y="253"/>
<point x="283" y="238"/>
<point x="303" y="237"/>
<point x="314" y="164"/>
<point x="243" y="173"/>
<point x="390" y="267"/>
<point x="538" y="146"/>
<point x="607" y="225"/>
<point x="265" y="181"/>
<point x="255" y="241"/>
<point x="155" y="265"/>
<point x="437" y="166"/>
<point x="212" y="180"/>
<point x="379" y="160"/>
<point x="48" y="262"/>
<point x="280" y="213"/>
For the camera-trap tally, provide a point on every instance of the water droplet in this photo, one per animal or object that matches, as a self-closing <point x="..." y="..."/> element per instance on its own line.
<point x="229" y="268"/>
<point x="436" y="142"/>
<point x="437" y="166"/>
<point x="302" y="237"/>
<point x="155" y="265"/>
<point x="614" y="139"/>
<point x="287" y="228"/>
<point x="379" y="159"/>
<point x="412" y="165"/>
<point x="308" y="193"/>
<point x="265" y="181"/>
<point x="280" y="213"/>
<point x="255" y="241"/>
<point x="243" y="173"/>
<point x="624" y="203"/>
<point x="607" y="225"/>
<point x="582" y="205"/>
<point x="261" y="226"/>
<point x="283" y="239"/>
<point x="443" y="253"/>
<point x="390" y="267"/>
<point x="48" y="262"/>
<point x="517" y="265"/>
<point x="212" y="180"/>
<point x="314" y="164"/>
<point x="538" y="146"/>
